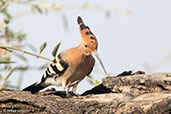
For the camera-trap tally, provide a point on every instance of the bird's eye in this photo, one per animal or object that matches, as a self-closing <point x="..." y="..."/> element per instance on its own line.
<point x="85" y="45"/>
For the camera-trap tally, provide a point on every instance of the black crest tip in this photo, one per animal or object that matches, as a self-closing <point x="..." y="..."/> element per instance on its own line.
<point x="79" y="20"/>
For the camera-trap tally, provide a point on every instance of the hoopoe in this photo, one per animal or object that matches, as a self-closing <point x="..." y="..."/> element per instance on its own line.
<point x="71" y="65"/>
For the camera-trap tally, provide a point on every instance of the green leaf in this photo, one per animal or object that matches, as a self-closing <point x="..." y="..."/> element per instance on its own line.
<point x="5" y="12"/>
<point x="42" y="47"/>
<point x="7" y="62"/>
<point x="96" y="83"/>
<point x="54" y="52"/>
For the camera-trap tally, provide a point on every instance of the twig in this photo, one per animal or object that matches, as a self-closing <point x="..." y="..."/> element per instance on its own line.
<point x="25" y="52"/>
<point x="4" y="79"/>
<point x="5" y="4"/>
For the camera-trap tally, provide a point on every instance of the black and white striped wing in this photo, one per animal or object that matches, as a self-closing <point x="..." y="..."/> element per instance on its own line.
<point x="56" y="68"/>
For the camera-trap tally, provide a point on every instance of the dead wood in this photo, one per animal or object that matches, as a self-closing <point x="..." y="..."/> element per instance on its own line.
<point x="138" y="93"/>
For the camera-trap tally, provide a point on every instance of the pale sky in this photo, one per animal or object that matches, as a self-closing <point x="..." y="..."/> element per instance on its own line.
<point x="126" y="42"/>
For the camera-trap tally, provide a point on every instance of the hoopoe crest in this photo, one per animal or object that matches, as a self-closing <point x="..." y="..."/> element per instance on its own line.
<point x="89" y="41"/>
<point x="71" y="65"/>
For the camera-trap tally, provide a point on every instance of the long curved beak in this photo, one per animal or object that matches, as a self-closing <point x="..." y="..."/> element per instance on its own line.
<point x="96" y="54"/>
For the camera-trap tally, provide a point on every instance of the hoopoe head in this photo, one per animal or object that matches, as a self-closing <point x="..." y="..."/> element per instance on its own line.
<point x="89" y="42"/>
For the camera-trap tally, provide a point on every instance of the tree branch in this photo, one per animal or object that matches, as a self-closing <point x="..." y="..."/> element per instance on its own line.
<point x="25" y="52"/>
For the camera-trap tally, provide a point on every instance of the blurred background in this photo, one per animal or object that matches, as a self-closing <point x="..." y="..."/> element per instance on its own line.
<point x="132" y="35"/>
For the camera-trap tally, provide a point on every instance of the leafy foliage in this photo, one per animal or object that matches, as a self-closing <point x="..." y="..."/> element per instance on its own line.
<point x="54" y="52"/>
<point x="7" y="37"/>
<point x="42" y="47"/>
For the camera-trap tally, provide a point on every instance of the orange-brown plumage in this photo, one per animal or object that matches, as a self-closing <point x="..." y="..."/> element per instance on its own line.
<point x="88" y="37"/>
<point x="71" y="65"/>
<point x="79" y="66"/>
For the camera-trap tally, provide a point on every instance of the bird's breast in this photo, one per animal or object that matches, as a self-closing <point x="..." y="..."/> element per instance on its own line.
<point x="82" y="68"/>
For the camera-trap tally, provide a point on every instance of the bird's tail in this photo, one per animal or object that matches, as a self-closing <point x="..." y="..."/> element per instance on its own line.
<point x="36" y="87"/>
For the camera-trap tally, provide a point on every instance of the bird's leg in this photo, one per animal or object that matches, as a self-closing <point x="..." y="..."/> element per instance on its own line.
<point x="74" y="89"/>
<point x="74" y="84"/>
<point x="68" y="87"/>
<point x="67" y="92"/>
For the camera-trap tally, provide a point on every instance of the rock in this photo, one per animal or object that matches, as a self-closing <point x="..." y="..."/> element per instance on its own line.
<point x="138" y="94"/>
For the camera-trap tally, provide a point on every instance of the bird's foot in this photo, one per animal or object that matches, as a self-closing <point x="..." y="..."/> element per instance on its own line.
<point x="71" y="94"/>
<point x="75" y="93"/>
